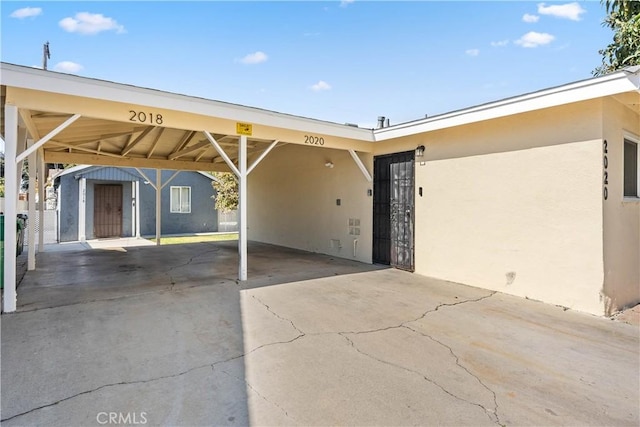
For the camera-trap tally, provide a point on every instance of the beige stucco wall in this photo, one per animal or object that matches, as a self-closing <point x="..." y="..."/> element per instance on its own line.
<point x="514" y="205"/>
<point x="292" y="201"/>
<point x="621" y="218"/>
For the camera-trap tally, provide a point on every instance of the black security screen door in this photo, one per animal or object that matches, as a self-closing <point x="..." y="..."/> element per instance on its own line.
<point x="393" y="210"/>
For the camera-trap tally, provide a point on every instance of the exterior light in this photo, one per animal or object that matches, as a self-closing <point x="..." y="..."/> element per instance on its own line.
<point x="420" y="151"/>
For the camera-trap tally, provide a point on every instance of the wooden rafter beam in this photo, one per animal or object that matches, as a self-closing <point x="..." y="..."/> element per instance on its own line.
<point x="188" y="135"/>
<point x="102" y="160"/>
<point x="189" y="150"/>
<point x="86" y="150"/>
<point x="154" y="144"/>
<point x="127" y="149"/>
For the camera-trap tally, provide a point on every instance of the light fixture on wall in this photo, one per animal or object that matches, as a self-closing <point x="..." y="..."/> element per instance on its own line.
<point x="420" y="151"/>
<point x="329" y="165"/>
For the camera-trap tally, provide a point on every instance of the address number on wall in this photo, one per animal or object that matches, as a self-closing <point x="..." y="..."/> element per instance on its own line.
<point x="145" y="117"/>
<point x="313" y="140"/>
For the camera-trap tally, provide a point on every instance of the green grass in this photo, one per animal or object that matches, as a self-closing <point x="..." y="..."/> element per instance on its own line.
<point x="177" y="240"/>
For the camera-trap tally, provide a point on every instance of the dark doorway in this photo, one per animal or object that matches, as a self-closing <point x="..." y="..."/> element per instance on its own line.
<point x="393" y="210"/>
<point x="107" y="211"/>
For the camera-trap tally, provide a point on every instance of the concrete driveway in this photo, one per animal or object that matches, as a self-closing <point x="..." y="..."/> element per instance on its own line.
<point x="165" y="336"/>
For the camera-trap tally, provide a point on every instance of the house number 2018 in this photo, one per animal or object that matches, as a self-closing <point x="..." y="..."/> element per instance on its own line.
<point x="142" y="117"/>
<point x="605" y="177"/>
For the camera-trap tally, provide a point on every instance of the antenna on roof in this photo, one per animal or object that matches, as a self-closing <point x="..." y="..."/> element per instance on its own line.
<point x="46" y="54"/>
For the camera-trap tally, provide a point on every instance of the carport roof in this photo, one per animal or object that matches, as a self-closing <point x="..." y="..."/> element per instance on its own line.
<point x="123" y="125"/>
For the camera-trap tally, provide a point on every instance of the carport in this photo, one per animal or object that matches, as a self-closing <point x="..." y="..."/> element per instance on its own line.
<point x="50" y="117"/>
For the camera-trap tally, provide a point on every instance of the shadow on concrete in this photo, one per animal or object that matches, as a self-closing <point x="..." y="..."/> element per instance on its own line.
<point x="146" y="333"/>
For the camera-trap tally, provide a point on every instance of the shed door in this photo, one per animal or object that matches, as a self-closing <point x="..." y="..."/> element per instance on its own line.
<point x="393" y="210"/>
<point x="107" y="211"/>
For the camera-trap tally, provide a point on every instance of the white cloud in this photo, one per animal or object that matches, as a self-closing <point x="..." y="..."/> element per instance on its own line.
<point x="500" y="43"/>
<point x="90" y="23"/>
<point x="254" y="58"/>
<point x="26" y="12"/>
<point x="527" y="17"/>
<point x="570" y="11"/>
<point x="345" y="3"/>
<point x="68" y="67"/>
<point x="321" y="85"/>
<point x="534" y="39"/>
<point x="472" y="52"/>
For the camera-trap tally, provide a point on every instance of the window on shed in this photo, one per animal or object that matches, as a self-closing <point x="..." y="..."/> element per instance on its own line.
<point x="630" y="169"/>
<point x="180" y="199"/>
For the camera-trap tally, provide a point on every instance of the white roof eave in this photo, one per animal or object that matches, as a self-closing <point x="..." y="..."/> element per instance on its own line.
<point x="622" y="81"/>
<point x="67" y="84"/>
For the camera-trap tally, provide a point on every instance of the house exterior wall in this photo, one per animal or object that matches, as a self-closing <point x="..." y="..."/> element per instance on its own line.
<point x="292" y="202"/>
<point x="621" y="216"/>
<point x="514" y="205"/>
<point x="203" y="217"/>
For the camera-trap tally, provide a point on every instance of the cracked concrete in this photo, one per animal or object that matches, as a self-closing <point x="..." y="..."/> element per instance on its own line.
<point x="309" y="340"/>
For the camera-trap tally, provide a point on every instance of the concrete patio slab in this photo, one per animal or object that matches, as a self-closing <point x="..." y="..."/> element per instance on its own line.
<point x="165" y="336"/>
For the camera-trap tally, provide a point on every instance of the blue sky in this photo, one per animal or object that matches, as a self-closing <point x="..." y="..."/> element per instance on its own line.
<point x="348" y="61"/>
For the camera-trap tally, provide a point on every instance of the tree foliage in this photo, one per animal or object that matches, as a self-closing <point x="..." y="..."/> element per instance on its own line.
<point x="623" y="17"/>
<point x="226" y="187"/>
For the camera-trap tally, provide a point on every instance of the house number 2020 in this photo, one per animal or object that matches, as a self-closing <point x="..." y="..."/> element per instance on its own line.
<point x="142" y="117"/>
<point x="605" y="164"/>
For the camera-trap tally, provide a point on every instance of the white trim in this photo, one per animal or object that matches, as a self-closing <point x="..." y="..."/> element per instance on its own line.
<point x="633" y="138"/>
<point x="611" y="84"/>
<point x="67" y="84"/>
<point x="180" y="187"/>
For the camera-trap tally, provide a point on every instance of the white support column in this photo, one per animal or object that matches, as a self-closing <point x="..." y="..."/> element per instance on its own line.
<point x="42" y="198"/>
<point x="137" y="212"/>
<point x="134" y="202"/>
<point x="82" y="210"/>
<point x="10" y="207"/>
<point x="242" y="205"/>
<point x="31" y="221"/>
<point x="158" y="205"/>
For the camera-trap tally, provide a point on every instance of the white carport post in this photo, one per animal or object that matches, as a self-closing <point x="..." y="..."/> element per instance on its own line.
<point x="10" y="207"/>
<point x="137" y="212"/>
<point x="31" y="221"/>
<point x="82" y="209"/>
<point x="158" y="205"/>
<point x="242" y="205"/>
<point x="42" y="199"/>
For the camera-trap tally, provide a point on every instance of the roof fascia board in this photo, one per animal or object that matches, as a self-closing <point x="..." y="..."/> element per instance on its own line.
<point x="48" y="81"/>
<point x="612" y="84"/>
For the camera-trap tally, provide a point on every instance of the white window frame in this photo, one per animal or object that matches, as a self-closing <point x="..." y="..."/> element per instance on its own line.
<point x="180" y="204"/>
<point x="627" y="136"/>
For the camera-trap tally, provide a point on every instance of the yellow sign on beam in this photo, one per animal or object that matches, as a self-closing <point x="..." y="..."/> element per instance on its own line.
<point x="244" y="129"/>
